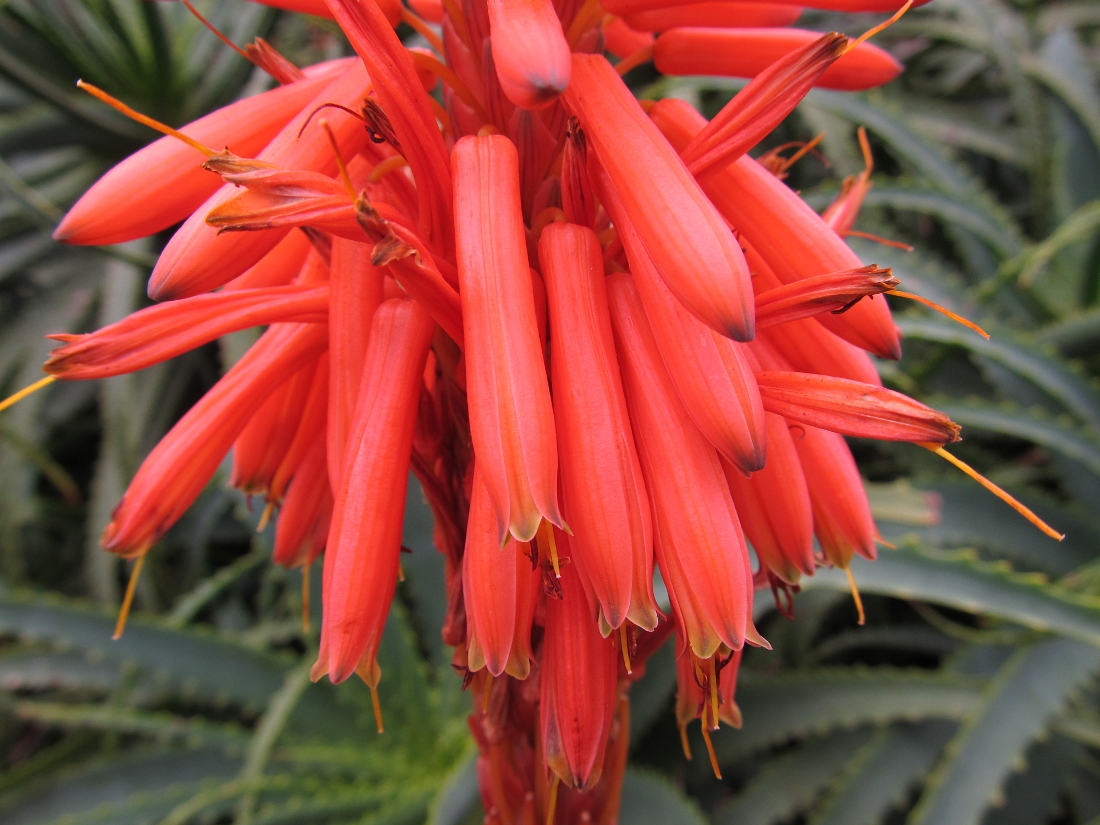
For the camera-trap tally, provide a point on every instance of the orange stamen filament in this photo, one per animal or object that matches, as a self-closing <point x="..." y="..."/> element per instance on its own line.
<point x="805" y="149"/>
<point x="953" y="316"/>
<point x="215" y="31"/>
<point x="133" y="114"/>
<point x="344" y="176"/>
<point x="128" y="598"/>
<point x="712" y="681"/>
<point x="867" y="35"/>
<point x="385" y="167"/>
<point x="11" y="400"/>
<point x="710" y="750"/>
<point x="458" y="19"/>
<point x="625" y="645"/>
<point x="855" y="595"/>
<point x="997" y="491"/>
<point x="440" y="114"/>
<point x="400" y="572"/>
<point x="865" y="149"/>
<point x="878" y="239"/>
<point x="552" y="805"/>
<point x="447" y="75"/>
<point x="684" y="743"/>
<point x="305" y="598"/>
<point x="633" y="61"/>
<point x="265" y="516"/>
<point x="417" y="23"/>
<point x="377" y="706"/>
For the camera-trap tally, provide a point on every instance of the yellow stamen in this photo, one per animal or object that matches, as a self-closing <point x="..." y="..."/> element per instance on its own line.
<point x="422" y="28"/>
<point x="344" y="176"/>
<point x="878" y="239"/>
<point x="385" y="167"/>
<point x="625" y="645"/>
<point x="855" y="595"/>
<point x="305" y="598"/>
<point x="997" y="491"/>
<point x="447" y="75"/>
<point x="551" y="546"/>
<point x="633" y="61"/>
<point x="128" y="598"/>
<point x="377" y="706"/>
<point x="400" y="572"/>
<point x="552" y="804"/>
<point x="944" y="310"/>
<point x="684" y="742"/>
<point x="133" y="114"/>
<point x="488" y="129"/>
<point x="867" y="35"/>
<point x="11" y="400"/>
<point x="885" y="543"/>
<point x="547" y="216"/>
<point x="265" y="516"/>
<point x="710" y="751"/>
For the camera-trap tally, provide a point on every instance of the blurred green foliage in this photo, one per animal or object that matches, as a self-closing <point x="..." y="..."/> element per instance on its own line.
<point x="969" y="697"/>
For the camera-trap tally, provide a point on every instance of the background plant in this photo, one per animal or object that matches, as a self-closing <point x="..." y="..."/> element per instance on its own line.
<point x="971" y="694"/>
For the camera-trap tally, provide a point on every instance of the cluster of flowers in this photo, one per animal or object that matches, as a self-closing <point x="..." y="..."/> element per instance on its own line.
<point x="601" y="335"/>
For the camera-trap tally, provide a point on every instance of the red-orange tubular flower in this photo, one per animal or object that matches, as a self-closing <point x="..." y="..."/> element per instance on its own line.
<point x="700" y="548"/>
<point x="529" y="50"/>
<point x="364" y="542"/>
<point x="605" y="498"/>
<point x="500" y="589"/>
<point x="164" y="183"/>
<point x="747" y="52"/>
<point x="689" y="243"/>
<point x="791" y="238"/>
<point x="511" y="418"/>
<point x="719" y="13"/>
<point x="578" y="685"/>
<point x="635" y="6"/>
<point x="174" y="473"/>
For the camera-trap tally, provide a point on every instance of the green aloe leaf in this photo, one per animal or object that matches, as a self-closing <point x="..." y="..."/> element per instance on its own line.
<point x="649" y="797"/>
<point x="814" y="701"/>
<point x="882" y="773"/>
<point x="1073" y="336"/>
<point x="789" y="784"/>
<point x="1018" y="706"/>
<point x="1080" y="226"/>
<point x="1059" y="435"/>
<point x="1019" y="355"/>
<point x="963" y="582"/>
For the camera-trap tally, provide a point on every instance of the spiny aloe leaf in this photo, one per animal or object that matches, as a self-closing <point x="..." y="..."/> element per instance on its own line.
<point x="210" y="665"/>
<point x="953" y="125"/>
<point x="960" y="581"/>
<point x="1075" y="335"/>
<point x="1079" y="226"/>
<point x="650" y="695"/>
<point x="905" y="639"/>
<point x="1036" y="794"/>
<point x="1062" y="436"/>
<point x="193" y="732"/>
<point x="50" y="670"/>
<point x="815" y="701"/>
<point x="881" y="774"/>
<point x="970" y="517"/>
<point x="127" y="790"/>
<point x="458" y="795"/>
<point x="1030" y="689"/>
<point x="1078" y="97"/>
<point x="789" y="784"/>
<point x="649" y="797"/>
<point x="1018" y="355"/>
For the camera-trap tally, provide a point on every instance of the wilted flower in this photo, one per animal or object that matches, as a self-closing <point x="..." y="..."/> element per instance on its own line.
<point x="536" y="288"/>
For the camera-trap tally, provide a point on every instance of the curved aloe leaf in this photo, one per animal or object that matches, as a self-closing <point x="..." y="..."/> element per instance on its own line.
<point x="1080" y="226"/>
<point x="815" y="701"/>
<point x="961" y="581"/>
<point x="649" y="797"/>
<point x="1018" y="706"/>
<point x="1018" y="355"/>
<point x="1075" y="335"/>
<point x="789" y="784"/>
<point x="1058" y="435"/>
<point x="881" y="775"/>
